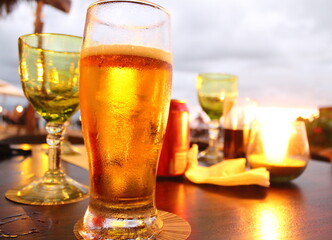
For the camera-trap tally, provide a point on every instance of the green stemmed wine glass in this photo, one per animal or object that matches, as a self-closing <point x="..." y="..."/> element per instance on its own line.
<point x="212" y="90"/>
<point x="50" y="80"/>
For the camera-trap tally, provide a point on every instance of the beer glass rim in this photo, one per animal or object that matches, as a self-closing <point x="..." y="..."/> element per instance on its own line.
<point x="217" y="76"/>
<point x="142" y="2"/>
<point x="22" y="39"/>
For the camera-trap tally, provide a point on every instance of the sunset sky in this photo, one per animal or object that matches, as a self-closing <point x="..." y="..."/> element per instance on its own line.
<point x="281" y="51"/>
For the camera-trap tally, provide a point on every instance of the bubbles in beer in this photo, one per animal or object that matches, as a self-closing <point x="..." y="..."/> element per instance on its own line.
<point x="127" y="92"/>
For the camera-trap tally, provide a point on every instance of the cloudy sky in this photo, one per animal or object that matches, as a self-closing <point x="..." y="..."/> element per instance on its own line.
<point x="281" y="51"/>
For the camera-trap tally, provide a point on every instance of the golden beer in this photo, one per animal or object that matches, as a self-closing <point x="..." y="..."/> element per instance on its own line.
<point x="124" y="101"/>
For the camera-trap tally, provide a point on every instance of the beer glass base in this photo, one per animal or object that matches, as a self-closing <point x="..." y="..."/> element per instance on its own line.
<point x="174" y="227"/>
<point x="51" y="189"/>
<point x="95" y="226"/>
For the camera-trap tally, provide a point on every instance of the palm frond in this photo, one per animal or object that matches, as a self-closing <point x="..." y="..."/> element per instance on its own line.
<point x="7" y="6"/>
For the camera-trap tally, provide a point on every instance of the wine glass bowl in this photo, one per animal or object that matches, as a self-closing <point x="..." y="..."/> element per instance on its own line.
<point x="50" y="76"/>
<point x="212" y="90"/>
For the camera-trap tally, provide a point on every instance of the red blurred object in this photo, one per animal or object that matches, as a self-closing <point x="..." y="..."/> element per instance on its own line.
<point x="173" y="159"/>
<point x="318" y="130"/>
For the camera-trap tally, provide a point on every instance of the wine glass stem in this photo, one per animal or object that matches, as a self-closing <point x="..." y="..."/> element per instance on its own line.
<point x="54" y="140"/>
<point x="213" y="134"/>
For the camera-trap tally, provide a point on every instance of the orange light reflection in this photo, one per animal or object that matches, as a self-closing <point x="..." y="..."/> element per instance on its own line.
<point x="38" y="161"/>
<point x="270" y="223"/>
<point x="181" y="200"/>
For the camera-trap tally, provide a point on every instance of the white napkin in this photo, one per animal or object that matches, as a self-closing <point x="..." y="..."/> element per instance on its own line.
<point x="226" y="173"/>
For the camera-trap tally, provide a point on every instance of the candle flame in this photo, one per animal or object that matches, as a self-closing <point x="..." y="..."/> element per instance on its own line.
<point x="277" y="127"/>
<point x="275" y="137"/>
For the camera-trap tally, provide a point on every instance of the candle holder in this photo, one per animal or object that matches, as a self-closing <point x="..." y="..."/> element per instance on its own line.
<point x="283" y="150"/>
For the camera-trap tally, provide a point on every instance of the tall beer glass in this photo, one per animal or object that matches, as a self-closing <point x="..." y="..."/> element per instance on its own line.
<point x="125" y="86"/>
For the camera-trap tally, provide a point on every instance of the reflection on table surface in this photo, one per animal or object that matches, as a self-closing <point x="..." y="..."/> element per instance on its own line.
<point x="298" y="210"/>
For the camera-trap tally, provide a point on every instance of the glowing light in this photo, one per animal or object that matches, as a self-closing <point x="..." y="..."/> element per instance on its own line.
<point x="235" y="122"/>
<point x="222" y="96"/>
<point x="281" y="132"/>
<point x="278" y="122"/>
<point x="287" y="113"/>
<point x="25" y="146"/>
<point x="1" y="109"/>
<point x="269" y="224"/>
<point x="19" y="108"/>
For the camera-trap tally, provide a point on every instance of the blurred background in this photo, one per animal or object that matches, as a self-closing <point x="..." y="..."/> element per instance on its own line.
<point x="280" y="50"/>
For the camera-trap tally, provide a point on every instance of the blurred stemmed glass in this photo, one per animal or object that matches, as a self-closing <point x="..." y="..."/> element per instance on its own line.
<point x="212" y="90"/>
<point x="67" y="148"/>
<point x="237" y="124"/>
<point x="50" y="77"/>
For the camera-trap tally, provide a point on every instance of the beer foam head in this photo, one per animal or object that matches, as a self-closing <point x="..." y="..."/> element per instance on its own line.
<point x="135" y="50"/>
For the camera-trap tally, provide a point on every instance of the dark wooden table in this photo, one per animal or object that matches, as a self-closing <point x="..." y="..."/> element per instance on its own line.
<point x="301" y="209"/>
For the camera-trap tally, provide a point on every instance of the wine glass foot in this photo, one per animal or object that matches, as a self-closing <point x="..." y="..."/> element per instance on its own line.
<point x="208" y="158"/>
<point x="51" y="189"/>
<point x="67" y="148"/>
